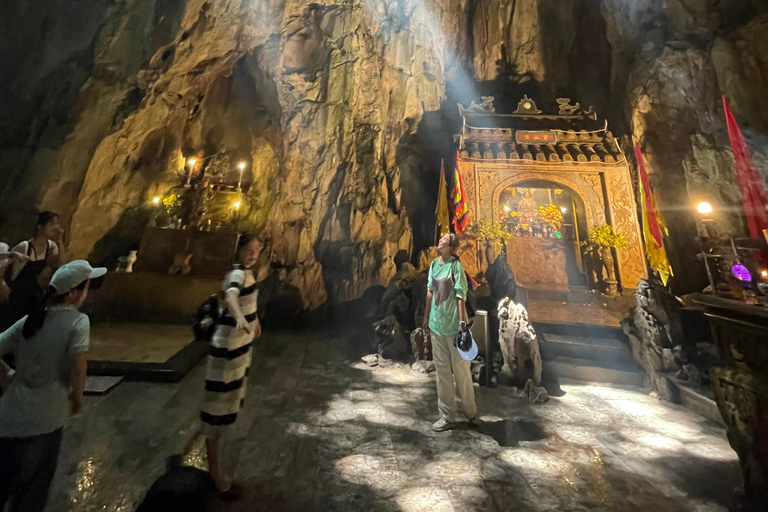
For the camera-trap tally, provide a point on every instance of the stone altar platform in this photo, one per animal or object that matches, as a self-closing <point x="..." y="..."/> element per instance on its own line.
<point x="212" y="251"/>
<point x="150" y="298"/>
<point x="142" y="325"/>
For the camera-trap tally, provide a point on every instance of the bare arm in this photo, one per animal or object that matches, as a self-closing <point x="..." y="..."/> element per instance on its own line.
<point x="427" y="310"/>
<point x="77" y="383"/>
<point x="232" y="298"/>
<point x="462" y="310"/>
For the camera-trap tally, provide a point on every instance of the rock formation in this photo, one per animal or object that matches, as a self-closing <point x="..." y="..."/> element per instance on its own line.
<point x="343" y="108"/>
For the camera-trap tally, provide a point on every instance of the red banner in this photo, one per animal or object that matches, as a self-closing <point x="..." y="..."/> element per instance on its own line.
<point x="460" y="207"/>
<point x="749" y="180"/>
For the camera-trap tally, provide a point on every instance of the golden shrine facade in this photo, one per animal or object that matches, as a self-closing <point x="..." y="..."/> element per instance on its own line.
<point x="519" y="168"/>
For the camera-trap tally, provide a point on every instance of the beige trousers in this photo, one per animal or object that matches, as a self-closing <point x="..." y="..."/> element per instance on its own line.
<point x="453" y="377"/>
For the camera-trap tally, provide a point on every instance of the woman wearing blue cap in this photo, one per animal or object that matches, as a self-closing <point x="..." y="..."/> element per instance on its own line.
<point x="445" y="315"/>
<point x="50" y="344"/>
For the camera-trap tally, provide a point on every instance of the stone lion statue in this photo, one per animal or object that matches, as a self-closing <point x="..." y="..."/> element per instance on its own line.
<point x="519" y="344"/>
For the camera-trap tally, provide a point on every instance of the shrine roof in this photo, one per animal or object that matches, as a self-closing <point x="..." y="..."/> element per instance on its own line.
<point x="573" y="134"/>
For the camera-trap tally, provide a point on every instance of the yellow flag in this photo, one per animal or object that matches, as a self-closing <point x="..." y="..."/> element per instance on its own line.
<point x="441" y="212"/>
<point x="653" y="227"/>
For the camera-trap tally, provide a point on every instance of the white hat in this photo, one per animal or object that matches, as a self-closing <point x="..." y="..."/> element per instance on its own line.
<point x="69" y="276"/>
<point x="466" y="345"/>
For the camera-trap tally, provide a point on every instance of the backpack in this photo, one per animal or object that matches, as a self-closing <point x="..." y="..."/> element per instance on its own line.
<point x="206" y="318"/>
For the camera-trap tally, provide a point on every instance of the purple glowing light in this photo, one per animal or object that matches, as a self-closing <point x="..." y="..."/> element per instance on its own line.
<point x="741" y="273"/>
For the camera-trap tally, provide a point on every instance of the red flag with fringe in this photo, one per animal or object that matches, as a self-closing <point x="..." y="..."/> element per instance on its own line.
<point x="460" y="207"/>
<point x="748" y="178"/>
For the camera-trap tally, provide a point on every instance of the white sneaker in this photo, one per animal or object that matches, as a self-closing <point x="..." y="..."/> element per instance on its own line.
<point x="442" y="425"/>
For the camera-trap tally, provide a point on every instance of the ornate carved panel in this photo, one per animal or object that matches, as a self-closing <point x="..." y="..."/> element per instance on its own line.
<point x="597" y="186"/>
<point x="538" y="262"/>
<point x="484" y="184"/>
<point x="623" y="208"/>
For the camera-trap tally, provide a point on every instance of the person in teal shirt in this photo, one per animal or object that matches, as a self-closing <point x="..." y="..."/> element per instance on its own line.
<point x="444" y="316"/>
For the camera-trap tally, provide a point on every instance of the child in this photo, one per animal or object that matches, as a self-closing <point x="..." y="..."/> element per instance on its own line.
<point x="50" y="343"/>
<point x="226" y="375"/>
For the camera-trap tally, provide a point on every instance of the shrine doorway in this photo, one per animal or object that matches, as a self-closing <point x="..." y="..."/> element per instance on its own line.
<point x="548" y="222"/>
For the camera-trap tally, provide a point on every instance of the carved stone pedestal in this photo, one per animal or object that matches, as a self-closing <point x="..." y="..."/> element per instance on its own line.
<point x="740" y="386"/>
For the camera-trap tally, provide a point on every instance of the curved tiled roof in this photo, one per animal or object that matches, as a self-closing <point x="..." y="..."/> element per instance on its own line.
<point x="574" y="136"/>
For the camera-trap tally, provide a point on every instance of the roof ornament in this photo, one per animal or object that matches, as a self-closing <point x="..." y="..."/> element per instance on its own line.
<point x="590" y="113"/>
<point x="566" y="109"/>
<point x="527" y="106"/>
<point x="486" y="107"/>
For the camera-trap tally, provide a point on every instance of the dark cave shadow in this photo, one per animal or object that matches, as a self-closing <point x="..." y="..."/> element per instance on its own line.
<point x="509" y="433"/>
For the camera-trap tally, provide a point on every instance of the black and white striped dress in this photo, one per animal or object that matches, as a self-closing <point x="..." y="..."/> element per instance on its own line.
<point x="226" y="375"/>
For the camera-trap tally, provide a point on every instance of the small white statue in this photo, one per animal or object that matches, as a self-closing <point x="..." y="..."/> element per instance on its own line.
<point x="130" y="260"/>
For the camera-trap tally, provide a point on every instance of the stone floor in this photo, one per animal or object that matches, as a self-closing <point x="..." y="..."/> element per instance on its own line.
<point x="318" y="433"/>
<point x="138" y="343"/>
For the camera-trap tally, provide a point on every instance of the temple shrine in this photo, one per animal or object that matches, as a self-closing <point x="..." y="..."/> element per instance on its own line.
<point x="548" y="179"/>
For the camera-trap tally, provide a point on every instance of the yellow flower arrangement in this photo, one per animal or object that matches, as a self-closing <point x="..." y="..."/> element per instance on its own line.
<point x="551" y="215"/>
<point x="605" y="236"/>
<point x="487" y="230"/>
<point x="171" y="203"/>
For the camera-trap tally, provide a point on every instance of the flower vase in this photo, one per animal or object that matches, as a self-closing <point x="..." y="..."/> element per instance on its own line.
<point x="610" y="274"/>
<point x="130" y="260"/>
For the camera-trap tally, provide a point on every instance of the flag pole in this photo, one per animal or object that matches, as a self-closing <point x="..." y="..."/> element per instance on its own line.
<point x="439" y="191"/>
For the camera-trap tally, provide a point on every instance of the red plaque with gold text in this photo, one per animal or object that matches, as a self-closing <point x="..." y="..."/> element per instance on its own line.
<point x="539" y="137"/>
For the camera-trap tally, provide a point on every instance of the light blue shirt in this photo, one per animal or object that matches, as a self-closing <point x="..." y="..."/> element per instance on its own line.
<point x="37" y="399"/>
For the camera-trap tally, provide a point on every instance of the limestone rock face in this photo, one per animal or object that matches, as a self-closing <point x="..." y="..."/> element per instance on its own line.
<point x="331" y="104"/>
<point x="741" y="64"/>
<point x="526" y="39"/>
<point x="315" y="96"/>
<point x="672" y="101"/>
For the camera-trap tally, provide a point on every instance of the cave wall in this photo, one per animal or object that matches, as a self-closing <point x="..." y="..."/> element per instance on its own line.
<point x="343" y="110"/>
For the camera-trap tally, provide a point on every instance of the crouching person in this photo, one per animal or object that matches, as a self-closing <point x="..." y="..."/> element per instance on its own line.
<point x="50" y="345"/>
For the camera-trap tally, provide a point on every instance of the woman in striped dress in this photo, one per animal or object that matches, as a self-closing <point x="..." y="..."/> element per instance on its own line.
<point x="226" y="375"/>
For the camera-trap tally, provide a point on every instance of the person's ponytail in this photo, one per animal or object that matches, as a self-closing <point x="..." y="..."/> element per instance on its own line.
<point x="36" y="314"/>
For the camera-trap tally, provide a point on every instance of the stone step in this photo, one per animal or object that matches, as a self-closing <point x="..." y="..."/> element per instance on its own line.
<point x="586" y="370"/>
<point x="699" y="400"/>
<point x="577" y="329"/>
<point x="583" y="347"/>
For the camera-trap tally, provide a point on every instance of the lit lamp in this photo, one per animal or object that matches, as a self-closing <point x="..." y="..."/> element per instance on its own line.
<point x="705" y="210"/>
<point x="240" y="166"/>
<point x="153" y="218"/>
<point x="236" y="215"/>
<point x="762" y="283"/>
<point x="191" y="162"/>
